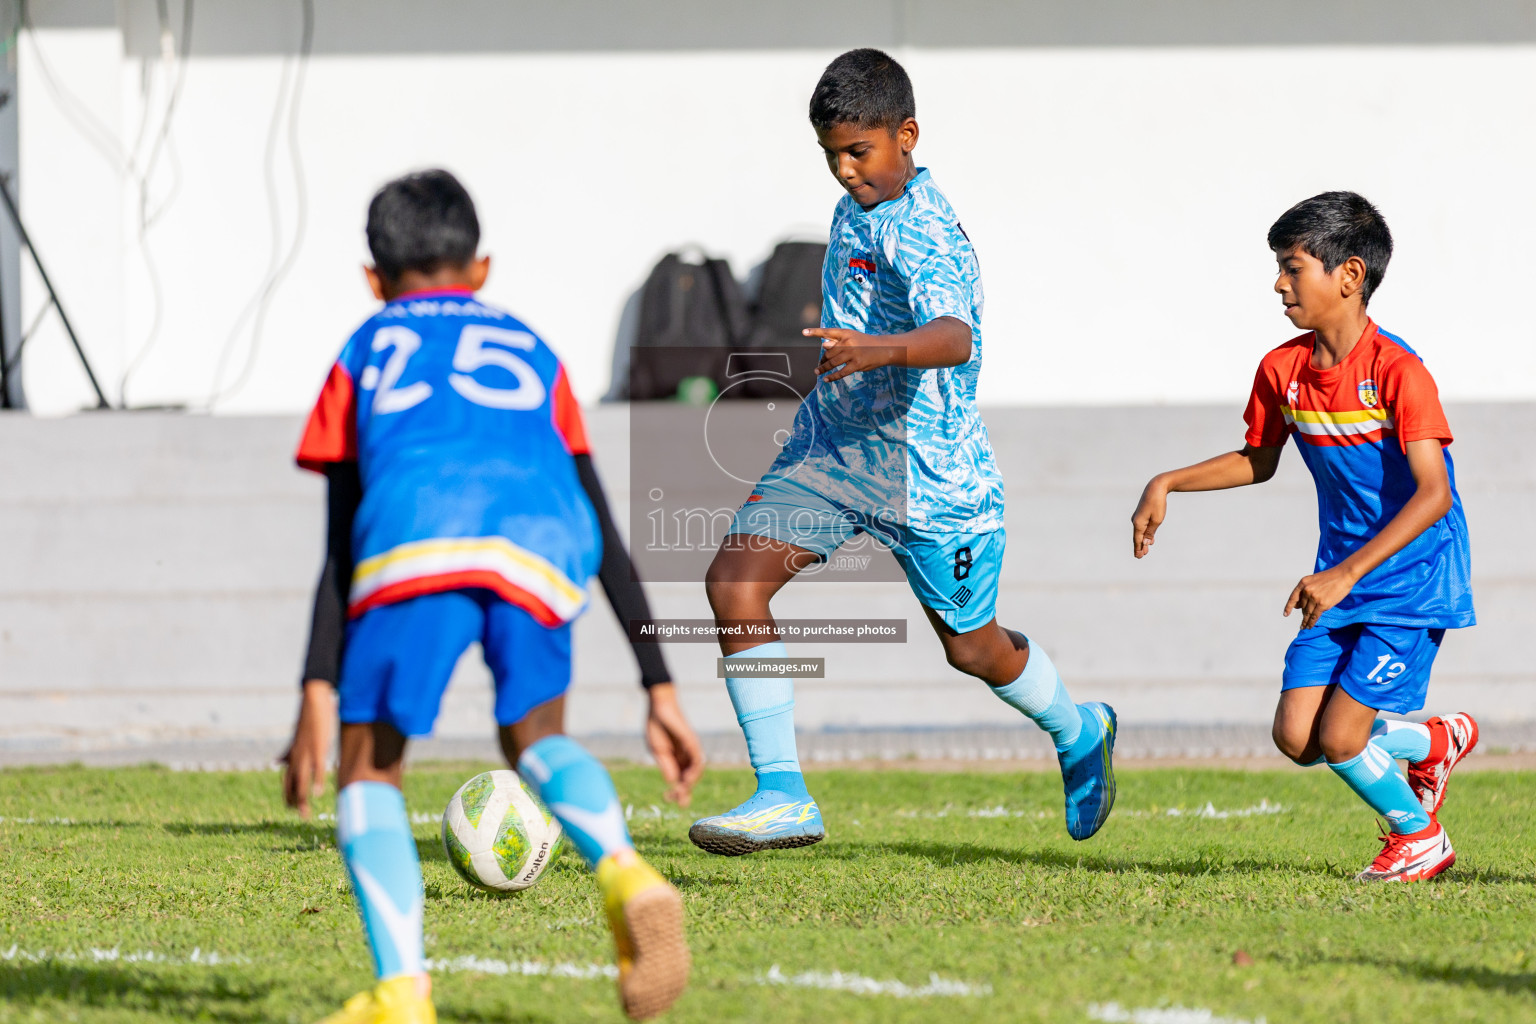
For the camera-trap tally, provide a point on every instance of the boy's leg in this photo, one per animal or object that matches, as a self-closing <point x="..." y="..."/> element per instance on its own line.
<point x="745" y="574"/>
<point x="397" y="664"/>
<point x="1345" y="736"/>
<point x="532" y="667"/>
<point x="373" y="832"/>
<point x="1388" y="670"/>
<point x="1298" y="716"/>
<point x="955" y="576"/>
<point x="1406" y="741"/>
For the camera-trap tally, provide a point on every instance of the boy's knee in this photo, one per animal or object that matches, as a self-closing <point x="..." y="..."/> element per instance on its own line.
<point x="971" y="659"/>
<point x="726" y="596"/>
<point x="1339" y="747"/>
<point x="1293" y="743"/>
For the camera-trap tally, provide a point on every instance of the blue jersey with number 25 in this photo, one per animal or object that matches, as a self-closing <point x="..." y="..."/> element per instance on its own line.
<point x="464" y="429"/>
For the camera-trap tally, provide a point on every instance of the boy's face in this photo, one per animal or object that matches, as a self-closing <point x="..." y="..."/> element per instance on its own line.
<point x="873" y="164"/>
<point x="1314" y="296"/>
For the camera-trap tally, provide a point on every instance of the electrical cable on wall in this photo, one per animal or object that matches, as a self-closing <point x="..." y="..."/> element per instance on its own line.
<point x="255" y="311"/>
<point x="176" y="65"/>
<point x="127" y="164"/>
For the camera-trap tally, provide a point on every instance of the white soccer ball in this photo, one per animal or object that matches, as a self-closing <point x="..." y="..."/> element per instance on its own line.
<point x="499" y="836"/>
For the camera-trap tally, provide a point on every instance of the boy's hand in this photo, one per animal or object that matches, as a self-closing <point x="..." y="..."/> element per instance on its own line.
<point x="844" y="351"/>
<point x="673" y="744"/>
<point x="1150" y="512"/>
<point x="1317" y="593"/>
<point x="304" y="763"/>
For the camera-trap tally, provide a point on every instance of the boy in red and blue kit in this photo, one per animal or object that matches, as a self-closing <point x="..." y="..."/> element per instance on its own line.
<point x="1393" y="569"/>
<point x="463" y="509"/>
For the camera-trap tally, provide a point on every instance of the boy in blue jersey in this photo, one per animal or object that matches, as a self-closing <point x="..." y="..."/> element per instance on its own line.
<point x="453" y="445"/>
<point x="890" y="443"/>
<point x="1393" y="568"/>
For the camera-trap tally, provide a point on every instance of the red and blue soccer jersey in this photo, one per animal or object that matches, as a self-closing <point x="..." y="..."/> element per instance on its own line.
<point x="463" y="427"/>
<point x="1352" y="424"/>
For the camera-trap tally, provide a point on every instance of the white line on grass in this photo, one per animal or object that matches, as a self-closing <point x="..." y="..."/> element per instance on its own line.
<point x="838" y="981"/>
<point x="115" y="955"/>
<point x="482" y="965"/>
<point x="1210" y="810"/>
<point x="1114" y="1013"/>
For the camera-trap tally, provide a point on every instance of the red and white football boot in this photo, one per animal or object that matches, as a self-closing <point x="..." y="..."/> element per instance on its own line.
<point x="1450" y="739"/>
<point x="1411" y="857"/>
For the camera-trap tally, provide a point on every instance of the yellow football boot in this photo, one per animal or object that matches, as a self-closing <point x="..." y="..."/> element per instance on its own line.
<point x="646" y="915"/>
<point x="396" y="1001"/>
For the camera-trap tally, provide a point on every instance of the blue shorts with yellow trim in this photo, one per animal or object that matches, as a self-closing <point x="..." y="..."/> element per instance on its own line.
<point x="1382" y="667"/>
<point x="399" y="658"/>
<point x="954" y="575"/>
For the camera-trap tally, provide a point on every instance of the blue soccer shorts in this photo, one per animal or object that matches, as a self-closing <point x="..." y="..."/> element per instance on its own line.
<point x="399" y="658"/>
<point x="1382" y="667"/>
<point x="954" y="575"/>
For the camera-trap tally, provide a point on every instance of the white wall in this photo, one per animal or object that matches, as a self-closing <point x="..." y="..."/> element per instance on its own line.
<point x="1118" y="194"/>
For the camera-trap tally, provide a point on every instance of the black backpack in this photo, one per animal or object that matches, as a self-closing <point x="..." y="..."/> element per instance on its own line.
<point x="691" y="316"/>
<point x="789" y="302"/>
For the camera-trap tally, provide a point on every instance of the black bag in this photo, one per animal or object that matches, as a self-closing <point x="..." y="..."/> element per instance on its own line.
<point x="691" y="316"/>
<point x="789" y="302"/>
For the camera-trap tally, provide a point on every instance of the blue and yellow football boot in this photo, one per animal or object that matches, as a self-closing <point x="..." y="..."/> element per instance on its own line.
<point x="1088" y="771"/>
<point x="770" y="820"/>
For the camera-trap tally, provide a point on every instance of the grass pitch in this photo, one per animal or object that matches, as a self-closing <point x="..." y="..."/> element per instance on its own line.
<point x="143" y="894"/>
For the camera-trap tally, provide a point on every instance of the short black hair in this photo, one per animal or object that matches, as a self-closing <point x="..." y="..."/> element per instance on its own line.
<point x="865" y="88"/>
<point x="422" y="221"/>
<point x="1334" y="226"/>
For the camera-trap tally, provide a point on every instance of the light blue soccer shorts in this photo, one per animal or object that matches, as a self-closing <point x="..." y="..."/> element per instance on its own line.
<point x="399" y="658"/>
<point x="1382" y="667"/>
<point x="953" y="574"/>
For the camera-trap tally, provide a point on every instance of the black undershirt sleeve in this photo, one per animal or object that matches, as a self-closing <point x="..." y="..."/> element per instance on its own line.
<point x="619" y="580"/>
<point x="328" y="622"/>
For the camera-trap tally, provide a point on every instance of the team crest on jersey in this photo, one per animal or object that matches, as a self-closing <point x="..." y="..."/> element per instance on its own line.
<point x="1291" y="393"/>
<point x="1367" y="392"/>
<point x="863" y="265"/>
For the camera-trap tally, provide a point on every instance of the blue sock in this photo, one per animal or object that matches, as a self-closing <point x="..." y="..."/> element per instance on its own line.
<point x="374" y="834"/>
<point x="1040" y="694"/>
<point x="765" y="709"/>
<point x="1406" y="740"/>
<point x="578" y="791"/>
<point x="1374" y="777"/>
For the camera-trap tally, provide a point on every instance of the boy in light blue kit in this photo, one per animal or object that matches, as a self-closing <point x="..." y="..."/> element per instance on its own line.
<point x="888" y="443"/>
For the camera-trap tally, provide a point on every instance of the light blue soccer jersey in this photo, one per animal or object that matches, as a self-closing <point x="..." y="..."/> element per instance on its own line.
<point x="904" y="440"/>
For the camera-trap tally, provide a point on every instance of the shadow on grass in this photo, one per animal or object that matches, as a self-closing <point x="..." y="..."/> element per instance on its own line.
<point x="958" y="854"/>
<point x="214" y="998"/>
<point x="1487" y="979"/>
<point x="447" y="1011"/>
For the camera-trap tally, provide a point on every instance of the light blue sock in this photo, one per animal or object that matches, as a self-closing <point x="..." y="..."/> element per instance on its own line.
<point x="1041" y="695"/>
<point x="578" y="791"/>
<point x="765" y="709"/>
<point x="374" y="834"/>
<point x="1406" y="740"/>
<point x="1374" y="777"/>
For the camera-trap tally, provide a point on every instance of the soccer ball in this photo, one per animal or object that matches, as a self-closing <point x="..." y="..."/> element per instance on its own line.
<point x="499" y="836"/>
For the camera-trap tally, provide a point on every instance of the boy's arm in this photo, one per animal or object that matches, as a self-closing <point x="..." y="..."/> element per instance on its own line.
<point x="1317" y="593"/>
<point x="672" y="741"/>
<point x="1253" y="465"/>
<point x="945" y="341"/>
<point x="304" y="771"/>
